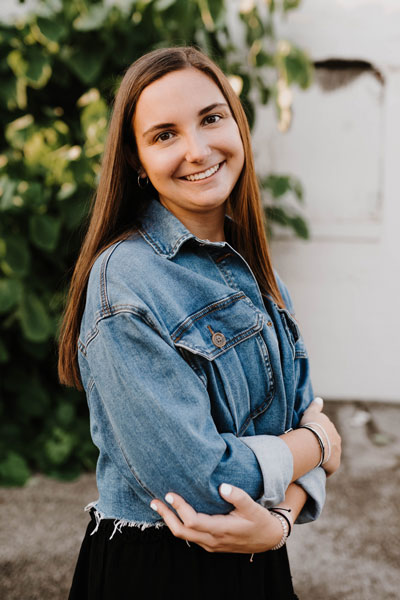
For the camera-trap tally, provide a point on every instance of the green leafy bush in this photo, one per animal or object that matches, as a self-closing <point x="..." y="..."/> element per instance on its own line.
<point x="59" y="69"/>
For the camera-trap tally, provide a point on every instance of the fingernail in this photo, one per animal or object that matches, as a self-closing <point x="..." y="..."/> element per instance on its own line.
<point x="153" y="505"/>
<point x="319" y="401"/>
<point x="169" y="498"/>
<point x="226" y="489"/>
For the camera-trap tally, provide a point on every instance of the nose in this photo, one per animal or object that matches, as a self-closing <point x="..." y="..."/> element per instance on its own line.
<point x="197" y="148"/>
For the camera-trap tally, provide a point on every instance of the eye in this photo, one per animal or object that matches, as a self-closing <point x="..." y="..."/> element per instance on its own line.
<point x="211" y="119"/>
<point x="164" y="136"/>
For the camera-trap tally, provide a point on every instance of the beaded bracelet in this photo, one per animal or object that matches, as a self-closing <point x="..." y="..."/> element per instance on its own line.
<point x="277" y="511"/>
<point x="286" y="532"/>
<point x="285" y="528"/>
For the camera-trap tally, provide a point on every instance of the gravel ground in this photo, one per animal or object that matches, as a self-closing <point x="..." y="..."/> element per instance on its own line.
<point x="352" y="552"/>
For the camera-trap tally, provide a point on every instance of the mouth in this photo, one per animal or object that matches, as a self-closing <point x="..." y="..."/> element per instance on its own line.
<point x="203" y="174"/>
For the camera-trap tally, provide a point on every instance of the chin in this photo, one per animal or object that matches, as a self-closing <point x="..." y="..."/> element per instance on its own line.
<point x="209" y="204"/>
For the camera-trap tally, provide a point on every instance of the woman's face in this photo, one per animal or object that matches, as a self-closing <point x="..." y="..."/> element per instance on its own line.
<point x="188" y="143"/>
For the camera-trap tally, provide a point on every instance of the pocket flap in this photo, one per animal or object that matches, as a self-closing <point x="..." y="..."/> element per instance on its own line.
<point x="214" y="329"/>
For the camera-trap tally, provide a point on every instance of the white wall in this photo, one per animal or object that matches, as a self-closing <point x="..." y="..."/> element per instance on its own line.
<point x="344" y="145"/>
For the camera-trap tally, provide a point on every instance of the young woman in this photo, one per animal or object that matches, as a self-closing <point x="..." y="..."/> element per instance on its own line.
<point x="184" y="340"/>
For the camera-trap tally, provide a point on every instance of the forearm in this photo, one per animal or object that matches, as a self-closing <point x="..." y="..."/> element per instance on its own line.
<point x="295" y="499"/>
<point x="305" y="450"/>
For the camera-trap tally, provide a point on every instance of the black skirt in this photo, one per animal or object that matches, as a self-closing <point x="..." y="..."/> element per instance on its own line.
<point x="154" y="565"/>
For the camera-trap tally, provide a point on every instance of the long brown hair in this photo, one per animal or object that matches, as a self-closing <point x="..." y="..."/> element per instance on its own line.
<point x="119" y="201"/>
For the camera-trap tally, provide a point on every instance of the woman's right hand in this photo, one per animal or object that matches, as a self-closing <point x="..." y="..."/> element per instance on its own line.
<point x="314" y="414"/>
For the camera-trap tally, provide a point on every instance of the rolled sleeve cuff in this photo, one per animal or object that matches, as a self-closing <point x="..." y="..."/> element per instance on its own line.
<point x="276" y="464"/>
<point x="314" y="483"/>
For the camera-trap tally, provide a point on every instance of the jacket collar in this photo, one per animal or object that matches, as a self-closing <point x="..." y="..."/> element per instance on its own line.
<point x="164" y="232"/>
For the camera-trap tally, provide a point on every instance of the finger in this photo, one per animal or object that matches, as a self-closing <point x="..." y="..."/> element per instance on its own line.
<point x="179" y="529"/>
<point x="244" y="504"/>
<point x="315" y="407"/>
<point x="188" y="515"/>
<point x="171" y="520"/>
<point x="318" y="401"/>
<point x="213" y="524"/>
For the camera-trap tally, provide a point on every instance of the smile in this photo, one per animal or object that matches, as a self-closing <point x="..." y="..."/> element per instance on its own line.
<point x="203" y="174"/>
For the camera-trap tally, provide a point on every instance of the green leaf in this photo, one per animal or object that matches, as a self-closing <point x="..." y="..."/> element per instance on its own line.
<point x="277" y="214"/>
<point x="44" y="231"/>
<point x="38" y="71"/>
<point x="65" y="414"/>
<point x="59" y="446"/>
<point x="9" y="92"/>
<point x="35" y="321"/>
<point x="290" y="4"/>
<point x="17" y="131"/>
<point x="34" y="67"/>
<point x="300" y="227"/>
<point x="278" y="185"/>
<point x="298" y="68"/>
<point x="7" y="191"/>
<point x="14" y="470"/>
<point x="10" y="292"/>
<point x="86" y="64"/>
<point x="17" y="258"/>
<point x="52" y="29"/>
<point x="34" y="195"/>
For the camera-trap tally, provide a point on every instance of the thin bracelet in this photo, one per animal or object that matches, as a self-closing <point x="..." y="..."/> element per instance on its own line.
<point x="277" y="511"/>
<point x="287" y="528"/>
<point x="285" y="533"/>
<point x="328" y="443"/>
<point x="320" y="441"/>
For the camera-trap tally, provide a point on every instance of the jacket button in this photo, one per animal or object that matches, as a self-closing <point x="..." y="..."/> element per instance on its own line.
<point x="218" y="339"/>
<point x="269" y="323"/>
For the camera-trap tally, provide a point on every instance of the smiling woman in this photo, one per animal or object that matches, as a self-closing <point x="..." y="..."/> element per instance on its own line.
<point x="191" y="151"/>
<point x="183" y="337"/>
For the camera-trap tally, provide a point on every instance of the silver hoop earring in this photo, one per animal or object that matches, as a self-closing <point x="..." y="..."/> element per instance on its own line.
<point x="142" y="182"/>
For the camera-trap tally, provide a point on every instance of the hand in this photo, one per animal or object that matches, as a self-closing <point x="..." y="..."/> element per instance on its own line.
<point x="248" y="528"/>
<point x="314" y="414"/>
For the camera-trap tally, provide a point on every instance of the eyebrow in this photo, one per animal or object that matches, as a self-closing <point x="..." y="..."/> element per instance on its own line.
<point x="201" y="112"/>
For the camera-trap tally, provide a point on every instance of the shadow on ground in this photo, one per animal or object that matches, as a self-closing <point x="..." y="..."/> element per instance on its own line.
<point x="351" y="553"/>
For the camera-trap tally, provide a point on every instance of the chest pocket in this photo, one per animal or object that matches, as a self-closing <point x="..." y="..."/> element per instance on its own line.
<point x="223" y="343"/>
<point x="293" y="333"/>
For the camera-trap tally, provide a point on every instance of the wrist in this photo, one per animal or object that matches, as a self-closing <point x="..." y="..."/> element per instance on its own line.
<point x="318" y="438"/>
<point x="284" y="529"/>
<point x="320" y="431"/>
<point x="305" y="450"/>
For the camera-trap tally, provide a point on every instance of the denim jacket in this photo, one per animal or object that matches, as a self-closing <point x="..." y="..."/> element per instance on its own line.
<point x="190" y="376"/>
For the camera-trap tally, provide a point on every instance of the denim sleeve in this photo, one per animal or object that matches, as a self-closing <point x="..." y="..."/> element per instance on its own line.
<point x="313" y="482"/>
<point x="159" y="413"/>
<point x="281" y="470"/>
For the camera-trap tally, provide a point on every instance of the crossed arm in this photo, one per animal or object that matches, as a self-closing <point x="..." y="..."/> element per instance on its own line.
<point x="249" y="527"/>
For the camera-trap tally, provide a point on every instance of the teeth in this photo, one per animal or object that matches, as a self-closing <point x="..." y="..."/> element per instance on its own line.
<point x="203" y="175"/>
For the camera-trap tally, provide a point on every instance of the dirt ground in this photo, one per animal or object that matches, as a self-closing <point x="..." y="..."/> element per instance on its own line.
<point x="352" y="552"/>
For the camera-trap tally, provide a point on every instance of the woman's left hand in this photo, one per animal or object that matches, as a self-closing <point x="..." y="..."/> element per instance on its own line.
<point x="248" y="528"/>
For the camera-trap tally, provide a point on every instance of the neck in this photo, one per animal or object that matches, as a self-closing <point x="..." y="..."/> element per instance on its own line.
<point x="204" y="225"/>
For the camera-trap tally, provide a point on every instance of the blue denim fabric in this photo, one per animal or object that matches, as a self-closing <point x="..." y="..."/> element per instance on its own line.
<point x="190" y="376"/>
